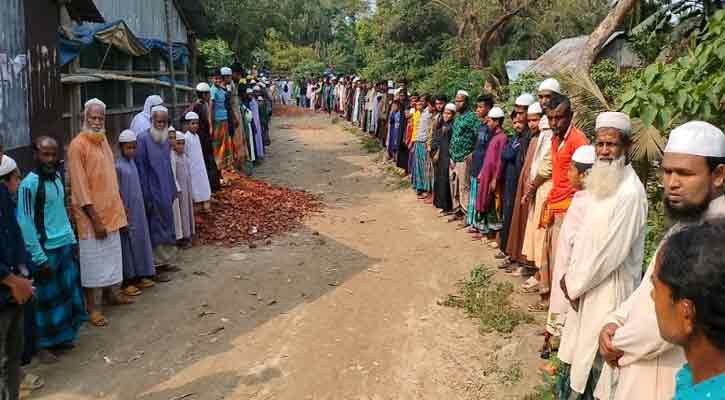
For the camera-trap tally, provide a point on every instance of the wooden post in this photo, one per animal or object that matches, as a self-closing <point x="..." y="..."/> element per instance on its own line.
<point x="170" y="44"/>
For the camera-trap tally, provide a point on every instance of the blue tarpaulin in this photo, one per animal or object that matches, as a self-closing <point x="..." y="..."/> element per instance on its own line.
<point x="116" y="34"/>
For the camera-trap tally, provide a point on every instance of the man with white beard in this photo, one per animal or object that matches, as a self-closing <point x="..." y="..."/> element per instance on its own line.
<point x="640" y="364"/>
<point x="98" y="211"/>
<point x="606" y="260"/>
<point x="153" y="161"/>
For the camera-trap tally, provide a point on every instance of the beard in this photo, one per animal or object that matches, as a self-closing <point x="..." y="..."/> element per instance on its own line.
<point x="158" y="135"/>
<point x="47" y="169"/>
<point x="604" y="177"/>
<point x="686" y="213"/>
<point x="96" y="136"/>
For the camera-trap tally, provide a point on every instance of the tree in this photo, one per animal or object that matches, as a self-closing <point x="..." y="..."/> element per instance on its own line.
<point x="605" y="29"/>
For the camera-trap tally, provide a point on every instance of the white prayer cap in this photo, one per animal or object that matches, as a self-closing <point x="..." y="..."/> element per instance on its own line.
<point x="226" y="71"/>
<point x="526" y="99"/>
<point x="94" y="102"/>
<point x="203" y="87"/>
<point x="584" y="155"/>
<point x="250" y="91"/>
<point x="397" y="91"/>
<point x="171" y="128"/>
<point x="190" y="116"/>
<point x="451" y="107"/>
<point x="7" y="165"/>
<point x="127" y="136"/>
<point x="697" y="138"/>
<point x="496" y="112"/>
<point x="462" y="93"/>
<point x="616" y="120"/>
<point x="535" y="108"/>
<point x="262" y="84"/>
<point x="356" y="79"/>
<point x="257" y="87"/>
<point x="550" y="84"/>
<point x="252" y="82"/>
<point x="159" y="108"/>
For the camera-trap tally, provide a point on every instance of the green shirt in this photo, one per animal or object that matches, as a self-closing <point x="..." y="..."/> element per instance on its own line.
<point x="463" y="140"/>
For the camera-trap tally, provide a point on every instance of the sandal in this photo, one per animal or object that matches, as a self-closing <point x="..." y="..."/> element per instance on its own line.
<point x="97" y="319"/>
<point x="118" y="299"/>
<point x="131" y="290"/>
<point x="146" y="283"/>
<point x="31" y="382"/>
<point x="538" y="307"/>
<point x="493" y="244"/>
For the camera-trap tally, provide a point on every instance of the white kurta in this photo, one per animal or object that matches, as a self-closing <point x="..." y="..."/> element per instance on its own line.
<point x="605" y="268"/>
<point x="200" y="189"/>
<point x="649" y="364"/>
<point x="570" y="228"/>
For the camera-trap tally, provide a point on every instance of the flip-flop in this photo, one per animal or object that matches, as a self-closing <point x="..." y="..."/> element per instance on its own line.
<point x="118" y="299"/>
<point x="131" y="290"/>
<point x="31" y="382"/>
<point x="97" y="319"/>
<point x="146" y="283"/>
<point x="538" y="307"/>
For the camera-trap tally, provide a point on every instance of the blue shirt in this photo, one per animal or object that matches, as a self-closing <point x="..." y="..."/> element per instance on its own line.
<point x="58" y="229"/>
<point x="710" y="389"/>
<point x="219" y="96"/>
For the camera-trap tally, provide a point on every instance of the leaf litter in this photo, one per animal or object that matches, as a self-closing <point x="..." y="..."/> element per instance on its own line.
<point x="247" y="209"/>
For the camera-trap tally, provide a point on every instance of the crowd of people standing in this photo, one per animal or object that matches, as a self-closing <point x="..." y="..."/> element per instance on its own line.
<point x="107" y="224"/>
<point x="570" y="219"/>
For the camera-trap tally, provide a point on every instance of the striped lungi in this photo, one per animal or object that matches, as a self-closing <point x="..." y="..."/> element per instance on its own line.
<point x="101" y="261"/>
<point x="59" y="306"/>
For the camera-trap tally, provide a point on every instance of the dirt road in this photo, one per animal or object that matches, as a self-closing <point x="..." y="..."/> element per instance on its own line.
<point x="344" y="308"/>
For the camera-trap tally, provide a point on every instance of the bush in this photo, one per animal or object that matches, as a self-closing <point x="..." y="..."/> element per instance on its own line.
<point x="215" y="53"/>
<point x="447" y="76"/>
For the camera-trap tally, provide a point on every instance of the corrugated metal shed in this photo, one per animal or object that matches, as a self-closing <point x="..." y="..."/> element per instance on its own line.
<point x="567" y="55"/>
<point x="14" y="120"/>
<point x="145" y="18"/>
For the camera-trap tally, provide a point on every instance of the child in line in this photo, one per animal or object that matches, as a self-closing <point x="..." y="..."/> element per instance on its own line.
<point x="138" y="261"/>
<point x="183" y="205"/>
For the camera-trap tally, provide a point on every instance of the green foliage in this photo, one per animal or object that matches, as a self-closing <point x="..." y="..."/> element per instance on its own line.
<point x="447" y="76"/>
<point x="526" y="83"/>
<point x="308" y="68"/>
<point x="285" y="56"/>
<point x="607" y="76"/>
<point x="692" y="87"/>
<point x="488" y="301"/>
<point x="215" y="53"/>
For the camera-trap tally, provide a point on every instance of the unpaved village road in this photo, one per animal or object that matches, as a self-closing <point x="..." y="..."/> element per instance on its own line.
<point x="344" y="308"/>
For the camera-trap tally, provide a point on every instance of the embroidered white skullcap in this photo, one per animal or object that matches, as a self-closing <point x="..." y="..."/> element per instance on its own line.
<point x="250" y="91"/>
<point x="697" y="138"/>
<point x="451" y="107"/>
<point x="226" y="71"/>
<point x="7" y="165"/>
<point x="496" y="112"/>
<point x="550" y="84"/>
<point x="462" y="93"/>
<point x="203" y="87"/>
<point x="584" y="155"/>
<point x="159" y="108"/>
<point x="127" y="136"/>
<point x="535" y="108"/>
<point x="171" y="128"/>
<point x="94" y="102"/>
<point x="526" y="99"/>
<point x="190" y="116"/>
<point x="616" y="120"/>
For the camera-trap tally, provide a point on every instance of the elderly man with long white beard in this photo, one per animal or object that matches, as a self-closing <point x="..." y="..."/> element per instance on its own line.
<point x="98" y="211"/>
<point x="606" y="260"/>
<point x="153" y="161"/>
<point x="640" y="364"/>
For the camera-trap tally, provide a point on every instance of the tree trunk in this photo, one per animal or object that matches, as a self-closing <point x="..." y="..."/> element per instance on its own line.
<point x="604" y="31"/>
<point x="485" y="39"/>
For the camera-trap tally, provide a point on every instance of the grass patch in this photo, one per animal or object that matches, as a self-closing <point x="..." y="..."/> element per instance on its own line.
<point x="488" y="301"/>
<point x="370" y="144"/>
<point x="547" y="389"/>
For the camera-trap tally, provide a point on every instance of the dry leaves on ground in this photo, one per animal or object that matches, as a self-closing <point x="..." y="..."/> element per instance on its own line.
<point x="248" y="209"/>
